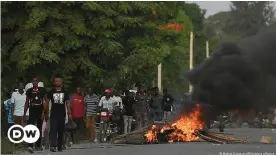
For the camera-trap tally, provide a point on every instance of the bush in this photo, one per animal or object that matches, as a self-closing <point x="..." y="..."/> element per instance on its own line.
<point x="9" y="148"/>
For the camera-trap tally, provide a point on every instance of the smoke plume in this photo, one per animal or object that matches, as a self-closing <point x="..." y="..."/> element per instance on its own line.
<point x="238" y="75"/>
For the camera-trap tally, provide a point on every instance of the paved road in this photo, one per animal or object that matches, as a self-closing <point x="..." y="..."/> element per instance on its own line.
<point x="199" y="148"/>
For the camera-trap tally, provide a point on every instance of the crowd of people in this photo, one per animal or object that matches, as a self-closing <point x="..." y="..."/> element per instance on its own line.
<point x="52" y="111"/>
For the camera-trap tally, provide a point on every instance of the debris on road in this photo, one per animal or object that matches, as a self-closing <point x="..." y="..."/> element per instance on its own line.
<point x="137" y="137"/>
<point x="188" y="128"/>
<point x="218" y="138"/>
<point x="266" y="140"/>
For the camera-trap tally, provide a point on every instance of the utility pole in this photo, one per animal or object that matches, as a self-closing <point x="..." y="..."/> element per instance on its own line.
<point x="191" y="56"/>
<point x="159" y="77"/>
<point x="207" y="49"/>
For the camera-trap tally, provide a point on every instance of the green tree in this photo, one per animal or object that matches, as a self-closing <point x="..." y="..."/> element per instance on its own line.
<point x="175" y="63"/>
<point x="96" y="43"/>
<point x="273" y="23"/>
<point x="216" y="27"/>
<point x="216" y="24"/>
<point x="196" y="15"/>
<point x="247" y="18"/>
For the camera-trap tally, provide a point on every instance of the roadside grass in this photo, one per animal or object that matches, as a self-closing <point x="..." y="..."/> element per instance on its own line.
<point x="9" y="148"/>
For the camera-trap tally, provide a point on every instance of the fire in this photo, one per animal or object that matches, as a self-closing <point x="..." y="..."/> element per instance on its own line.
<point x="180" y="130"/>
<point x="151" y="135"/>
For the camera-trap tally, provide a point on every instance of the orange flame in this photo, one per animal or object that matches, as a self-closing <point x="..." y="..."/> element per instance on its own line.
<point x="183" y="128"/>
<point x="151" y="135"/>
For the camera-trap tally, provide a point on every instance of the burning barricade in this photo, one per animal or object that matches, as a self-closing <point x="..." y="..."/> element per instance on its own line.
<point x="181" y="130"/>
<point x="188" y="128"/>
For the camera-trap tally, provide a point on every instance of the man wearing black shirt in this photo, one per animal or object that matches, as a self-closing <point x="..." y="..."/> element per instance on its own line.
<point x="156" y="105"/>
<point x="128" y="103"/>
<point x="167" y="104"/>
<point x="36" y="105"/>
<point x="58" y="99"/>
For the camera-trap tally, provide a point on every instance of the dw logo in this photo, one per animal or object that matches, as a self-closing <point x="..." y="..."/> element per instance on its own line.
<point x="28" y="134"/>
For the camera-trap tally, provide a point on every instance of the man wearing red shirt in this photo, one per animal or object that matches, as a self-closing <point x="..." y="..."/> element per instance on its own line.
<point x="78" y="108"/>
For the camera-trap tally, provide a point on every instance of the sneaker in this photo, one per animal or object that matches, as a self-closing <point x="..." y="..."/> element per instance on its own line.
<point x="53" y="149"/>
<point x="96" y="140"/>
<point x="59" y="149"/>
<point x="69" y="145"/>
<point x="39" y="149"/>
<point x="31" y="150"/>
<point x="91" y="140"/>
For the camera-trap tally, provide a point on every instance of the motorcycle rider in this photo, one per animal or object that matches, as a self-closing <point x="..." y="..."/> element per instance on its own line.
<point x="221" y="122"/>
<point x="108" y="102"/>
<point x="260" y="117"/>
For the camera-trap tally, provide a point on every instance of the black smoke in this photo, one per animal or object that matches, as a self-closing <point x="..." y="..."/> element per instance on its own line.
<point x="238" y="75"/>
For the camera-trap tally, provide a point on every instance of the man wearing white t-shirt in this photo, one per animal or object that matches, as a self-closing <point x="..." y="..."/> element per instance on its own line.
<point x="18" y="100"/>
<point x="118" y="100"/>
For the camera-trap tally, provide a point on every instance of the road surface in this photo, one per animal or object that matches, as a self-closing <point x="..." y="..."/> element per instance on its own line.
<point x="198" y="148"/>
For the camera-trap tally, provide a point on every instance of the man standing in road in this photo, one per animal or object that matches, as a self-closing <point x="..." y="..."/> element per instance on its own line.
<point x="118" y="117"/>
<point x="142" y="107"/>
<point x="128" y="102"/>
<point x="78" y="109"/>
<point x="18" y="100"/>
<point x="91" y="102"/>
<point x="167" y="104"/>
<point x="156" y="105"/>
<point x="36" y="105"/>
<point x="58" y="98"/>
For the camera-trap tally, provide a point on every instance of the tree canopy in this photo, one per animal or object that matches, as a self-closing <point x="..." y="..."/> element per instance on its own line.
<point x="243" y="20"/>
<point x="103" y="44"/>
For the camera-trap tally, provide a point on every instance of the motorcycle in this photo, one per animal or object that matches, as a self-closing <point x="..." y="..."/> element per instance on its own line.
<point x="261" y="121"/>
<point x="106" y="128"/>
